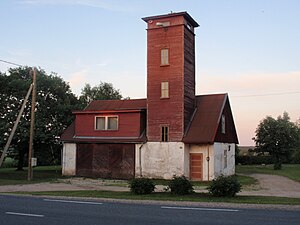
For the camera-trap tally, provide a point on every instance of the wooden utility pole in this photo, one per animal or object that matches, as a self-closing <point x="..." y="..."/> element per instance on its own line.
<point x="30" y="153"/>
<point x="15" y="126"/>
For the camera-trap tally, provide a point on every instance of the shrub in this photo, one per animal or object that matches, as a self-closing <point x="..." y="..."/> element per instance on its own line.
<point x="141" y="186"/>
<point x="296" y="156"/>
<point x="9" y="162"/>
<point x="181" y="186"/>
<point x="277" y="166"/>
<point x="254" y="160"/>
<point x="224" y="186"/>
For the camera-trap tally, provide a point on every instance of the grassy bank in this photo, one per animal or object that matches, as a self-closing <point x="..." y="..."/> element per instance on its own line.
<point x="164" y="196"/>
<point x="291" y="171"/>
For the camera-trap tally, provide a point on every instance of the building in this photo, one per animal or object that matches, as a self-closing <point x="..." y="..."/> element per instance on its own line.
<point x="172" y="132"/>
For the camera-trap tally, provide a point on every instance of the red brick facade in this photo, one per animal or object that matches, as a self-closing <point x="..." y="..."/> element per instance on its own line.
<point x="175" y="33"/>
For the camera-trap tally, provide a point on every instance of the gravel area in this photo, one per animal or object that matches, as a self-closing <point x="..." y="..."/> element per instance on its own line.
<point x="273" y="185"/>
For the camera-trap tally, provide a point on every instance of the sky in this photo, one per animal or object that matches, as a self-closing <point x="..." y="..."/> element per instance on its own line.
<point x="249" y="49"/>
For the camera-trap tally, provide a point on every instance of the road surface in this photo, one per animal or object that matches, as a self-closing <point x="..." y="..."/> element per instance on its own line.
<point x="55" y="211"/>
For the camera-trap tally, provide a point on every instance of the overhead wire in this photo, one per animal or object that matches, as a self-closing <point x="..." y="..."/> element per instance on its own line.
<point x="270" y="94"/>
<point x="11" y="63"/>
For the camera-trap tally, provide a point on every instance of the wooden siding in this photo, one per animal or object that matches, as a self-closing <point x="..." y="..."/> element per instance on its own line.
<point x="129" y="125"/>
<point x="230" y="132"/>
<point x="115" y="161"/>
<point x="189" y="76"/>
<point x="169" y="111"/>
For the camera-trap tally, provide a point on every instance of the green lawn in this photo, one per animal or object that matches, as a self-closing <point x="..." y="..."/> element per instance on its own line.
<point x="163" y="196"/>
<point x="291" y="171"/>
<point x="9" y="176"/>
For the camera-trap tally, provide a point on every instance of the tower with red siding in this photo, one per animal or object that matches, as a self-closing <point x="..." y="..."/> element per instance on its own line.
<point x="170" y="75"/>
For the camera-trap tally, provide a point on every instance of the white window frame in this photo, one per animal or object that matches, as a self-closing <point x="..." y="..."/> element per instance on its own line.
<point x="106" y="122"/>
<point x="164" y="57"/>
<point x="164" y="89"/>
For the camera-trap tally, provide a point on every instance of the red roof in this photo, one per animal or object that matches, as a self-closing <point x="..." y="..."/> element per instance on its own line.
<point x="205" y="121"/>
<point x="106" y="105"/>
<point x="184" y="14"/>
<point x="202" y="129"/>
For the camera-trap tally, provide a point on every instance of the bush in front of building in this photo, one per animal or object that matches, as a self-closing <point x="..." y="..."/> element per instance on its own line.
<point x="141" y="186"/>
<point x="180" y="186"/>
<point x="254" y="160"/>
<point x="224" y="186"/>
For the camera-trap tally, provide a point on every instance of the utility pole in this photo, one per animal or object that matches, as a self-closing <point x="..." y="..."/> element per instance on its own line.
<point x="30" y="153"/>
<point x="15" y="126"/>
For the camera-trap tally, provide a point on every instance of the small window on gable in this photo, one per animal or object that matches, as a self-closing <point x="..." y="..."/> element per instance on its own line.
<point x="164" y="90"/>
<point x="164" y="57"/>
<point x="106" y="123"/>
<point x="225" y="159"/>
<point x="164" y="133"/>
<point x="223" y="124"/>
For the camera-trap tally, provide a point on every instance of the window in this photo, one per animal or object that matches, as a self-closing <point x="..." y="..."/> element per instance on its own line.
<point x="225" y="159"/>
<point x="164" y="133"/>
<point x="164" y="57"/>
<point x="106" y="123"/>
<point x="164" y="90"/>
<point x="223" y="124"/>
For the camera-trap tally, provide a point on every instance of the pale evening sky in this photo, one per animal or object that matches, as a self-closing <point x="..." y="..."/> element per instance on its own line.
<point x="249" y="49"/>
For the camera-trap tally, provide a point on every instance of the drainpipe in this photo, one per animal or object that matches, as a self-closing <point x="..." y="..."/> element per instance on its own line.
<point x="140" y="159"/>
<point x="207" y="158"/>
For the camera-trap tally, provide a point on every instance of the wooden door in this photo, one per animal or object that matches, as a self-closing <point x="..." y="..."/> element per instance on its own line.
<point x="196" y="166"/>
<point x="116" y="161"/>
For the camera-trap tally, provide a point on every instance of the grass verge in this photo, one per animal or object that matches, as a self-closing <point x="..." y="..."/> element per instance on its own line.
<point x="291" y="171"/>
<point x="9" y="176"/>
<point x="164" y="196"/>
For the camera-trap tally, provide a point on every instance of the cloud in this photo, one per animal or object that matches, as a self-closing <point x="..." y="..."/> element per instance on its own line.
<point x="77" y="80"/>
<point x="118" y="6"/>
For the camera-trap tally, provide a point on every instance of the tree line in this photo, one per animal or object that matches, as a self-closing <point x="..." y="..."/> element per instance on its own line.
<point x="54" y="105"/>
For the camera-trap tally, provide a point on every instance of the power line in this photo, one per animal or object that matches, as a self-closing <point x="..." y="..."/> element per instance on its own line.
<point x="11" y="63"/>
<point x="270" y="94"/>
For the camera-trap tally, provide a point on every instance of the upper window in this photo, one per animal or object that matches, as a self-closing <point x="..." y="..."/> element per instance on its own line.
<point x="164" y="90"/>
<point x="164" y="57"/>
<point x="223" y="124"/>
<point x="106" y="123"/>
<point x="164" y="133"/>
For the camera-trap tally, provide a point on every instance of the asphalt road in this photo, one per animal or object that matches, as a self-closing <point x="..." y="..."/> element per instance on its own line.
<point x="32" y="210"/>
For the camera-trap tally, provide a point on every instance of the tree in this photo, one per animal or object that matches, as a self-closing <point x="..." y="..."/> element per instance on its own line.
<point x="103" y="91"/>
<point x="276" y="136"/>
<point x="54" y="105"/>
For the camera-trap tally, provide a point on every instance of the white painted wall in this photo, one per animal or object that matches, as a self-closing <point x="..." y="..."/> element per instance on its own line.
<point x="165" y="159"/>
<point x="219" y="159"/>
<point x="160" y="160"/>
<point x="69" y="159"/>
<point x="208" y="166"/>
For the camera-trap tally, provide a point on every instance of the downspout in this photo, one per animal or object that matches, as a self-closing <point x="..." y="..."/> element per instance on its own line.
<point x="140" y="159"/>
<point x="207" y="158"/>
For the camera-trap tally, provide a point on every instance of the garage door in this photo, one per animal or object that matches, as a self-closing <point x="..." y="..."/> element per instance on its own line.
<point x="196" y="166"/>
<point x="115" y="161"/>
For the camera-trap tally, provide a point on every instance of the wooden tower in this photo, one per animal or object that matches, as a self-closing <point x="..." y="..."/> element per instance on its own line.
<point x="170" y="75"/>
